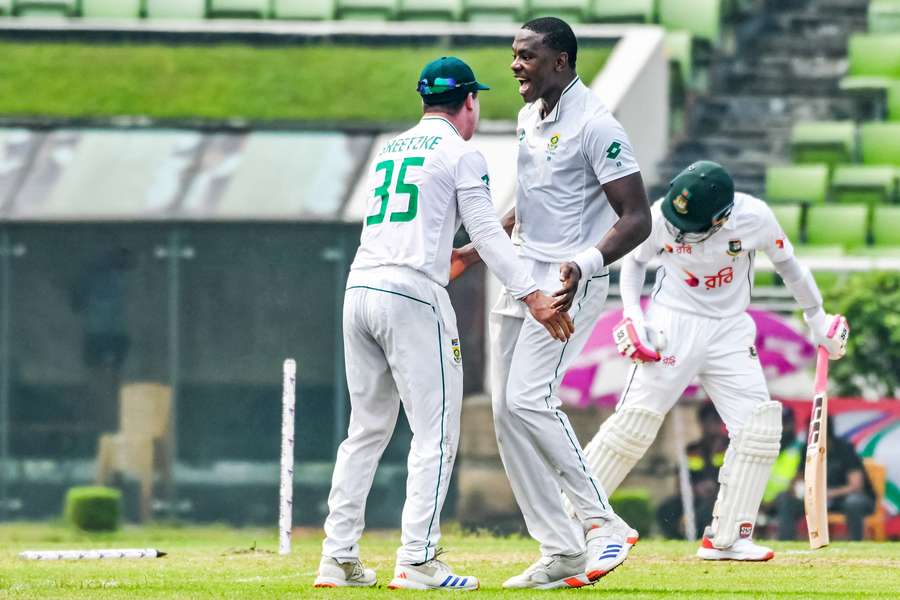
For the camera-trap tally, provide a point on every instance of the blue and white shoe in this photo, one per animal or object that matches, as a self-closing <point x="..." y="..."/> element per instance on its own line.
<point x="431" y="575"/>
<point x="608" y="546"/>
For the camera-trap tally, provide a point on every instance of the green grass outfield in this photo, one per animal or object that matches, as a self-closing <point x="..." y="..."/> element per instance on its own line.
<point x="221" y="563"/>
<point x="308" y="83"/>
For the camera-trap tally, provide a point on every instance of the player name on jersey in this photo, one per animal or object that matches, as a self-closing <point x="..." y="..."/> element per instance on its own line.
<point x="419" y="142"/>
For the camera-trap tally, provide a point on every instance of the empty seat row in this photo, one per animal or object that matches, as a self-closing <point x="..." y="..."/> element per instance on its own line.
<point x="700" y="17"/>
<point x="847" y="227"/>
<point x="873" y="61"/>
<point x="835" y="142"/>
<point x="844" y="184"/>
<point x="884" y="16"/>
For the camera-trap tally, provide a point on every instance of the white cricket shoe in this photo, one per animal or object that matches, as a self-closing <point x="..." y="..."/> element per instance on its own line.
<point x="431" y="575"/>
<point x="743" y="549"/>
<point x="343" y="574"/>
<point x="551" y="572"/>
<point x="608" y="546"/>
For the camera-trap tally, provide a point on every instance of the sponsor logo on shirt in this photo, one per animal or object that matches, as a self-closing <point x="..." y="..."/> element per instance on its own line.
<point x="692" y="279"/>
<point x="734" y="247"/>
<point x="521" y="134"/>
<point x="668" y="361"/>
<point x="779" y="244"/>
<point x="614" y="150"/>
<point x="723" y="277"/>
<point x="486" y="180"/>
<point x="753" y="353"/>
<point x="681" y="202"/>
<point x="679" y="249"/>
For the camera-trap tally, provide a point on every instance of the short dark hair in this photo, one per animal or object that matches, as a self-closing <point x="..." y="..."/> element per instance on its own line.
<point x="557" y="35"/>
<point x="451" y="107"/>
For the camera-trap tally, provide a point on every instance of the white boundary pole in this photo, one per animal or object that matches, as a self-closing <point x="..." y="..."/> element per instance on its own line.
<point x="288" y="400"/>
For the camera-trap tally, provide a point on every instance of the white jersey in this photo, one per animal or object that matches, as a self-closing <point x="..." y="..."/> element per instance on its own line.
<point x="715" y="277"/>
<point x="412" y="198"/>
<point x="564" y="160"/>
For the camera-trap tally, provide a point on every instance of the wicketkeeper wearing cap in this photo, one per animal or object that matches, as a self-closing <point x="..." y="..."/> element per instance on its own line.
<point x="400" y="339"/>
<point x="706" y="238"/>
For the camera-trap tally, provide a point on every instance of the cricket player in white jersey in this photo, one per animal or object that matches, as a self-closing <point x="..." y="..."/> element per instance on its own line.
<point x="400" y="338"/>
<point x="706" y="236"/>
<point x="580" y="205"/>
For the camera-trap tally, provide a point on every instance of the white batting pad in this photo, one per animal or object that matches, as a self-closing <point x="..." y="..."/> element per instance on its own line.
<point x="620" y="443"/>
<point x="743" y="476"/>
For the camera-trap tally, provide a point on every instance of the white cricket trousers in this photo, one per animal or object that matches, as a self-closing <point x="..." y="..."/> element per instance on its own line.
<point x="720" y="353"/>
<point x="399" y="338"/>
<point x="538" y="447"/>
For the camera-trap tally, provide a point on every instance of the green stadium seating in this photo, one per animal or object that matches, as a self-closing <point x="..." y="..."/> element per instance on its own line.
<point x="873" y="61"/>
<point x="111" y="8"/>
<point x="886" y="226"/>
<point x="884" y="16"/>
<point x="239" y="9"/>
<point x="797" y="183"/>
<point x="303" y="9"/>
<point x="606" y="11"/>
<point x="702" y="18"/>
<point x="176" y="9"/>
<point x="45" y="8"/>
<point x="572" y="11"/>
<point x="508" y="11"/>
<point x="375" y="10"/>
<point x="837" y="225"/>
<point x="442" y="10"/>
<point x="864" y="184"/>
<point x="829" y="142"/>
<point x="880" y="143"/>
<point x="789" y="216"/>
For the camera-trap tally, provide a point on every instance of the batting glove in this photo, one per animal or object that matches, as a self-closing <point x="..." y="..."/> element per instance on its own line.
<point x="829" y="331"/>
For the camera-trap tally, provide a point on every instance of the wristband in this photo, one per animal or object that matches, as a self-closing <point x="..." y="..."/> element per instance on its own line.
<point x="590" y="261"/>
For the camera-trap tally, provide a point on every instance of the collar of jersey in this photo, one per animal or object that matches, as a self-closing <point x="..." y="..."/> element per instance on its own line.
<point x="436" y="118"/>
<point x="555" y="113"/>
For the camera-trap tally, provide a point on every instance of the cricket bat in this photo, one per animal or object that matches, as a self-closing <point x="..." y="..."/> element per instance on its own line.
<point x="815" y="500"/>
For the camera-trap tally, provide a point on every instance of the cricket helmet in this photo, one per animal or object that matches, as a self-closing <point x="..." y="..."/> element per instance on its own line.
<point x="699" y="200"/>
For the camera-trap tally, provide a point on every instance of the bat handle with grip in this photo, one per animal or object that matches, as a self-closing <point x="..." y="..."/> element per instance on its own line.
<point x="821" y="385"/>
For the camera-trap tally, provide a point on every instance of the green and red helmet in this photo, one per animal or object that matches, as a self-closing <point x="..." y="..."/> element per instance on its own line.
<point x="699" y="200"/>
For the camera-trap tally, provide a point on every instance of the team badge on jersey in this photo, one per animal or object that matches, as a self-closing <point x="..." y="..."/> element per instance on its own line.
<point x="734" y="247"/>
<point x="552" y="145"/>
<point x="457" y="352"/>
<point x="681" y="202"/>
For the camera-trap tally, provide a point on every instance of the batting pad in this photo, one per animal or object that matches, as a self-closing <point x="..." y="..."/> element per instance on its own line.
<point x="743" y="476"/>
<point x="620" y="443"/>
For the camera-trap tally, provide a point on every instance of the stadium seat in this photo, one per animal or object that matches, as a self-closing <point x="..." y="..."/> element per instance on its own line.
<point x="45" y="8"/>
<point x="374" y="10"/>
<point x="864" y="184"/>
<point x="842" y="225"/>
<point x="303" y="9"/>
<point x="829" y="142"/>
<point x="702" y="18"/>
<point x="893" y="101"/>
<point x="797" y="183"/>
<point x="884" y="16"/>
<point x="604" y="11"/>
<point x="880" y="143"/>
<point x="873" y="61"/>
<point x="111" y="8"/>
<point x="572" y="11"/>
<point x="239" y="9"/>
<point x="508" y="11"/>
<point x="176" y="9"/>
<point x="886" y="226"/>
<point x="442" y="10"/>
<point x="788" y="216"/>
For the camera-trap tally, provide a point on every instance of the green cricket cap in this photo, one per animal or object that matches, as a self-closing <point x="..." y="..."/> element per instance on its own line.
<point x="699" y="197"/>
<point x="447" y="79"/>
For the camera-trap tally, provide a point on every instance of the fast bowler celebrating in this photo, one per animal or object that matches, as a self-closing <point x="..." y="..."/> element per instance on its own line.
<point x="706" y="236"/>
<point x="400" y="338"/>
<point x="580" y="205"/>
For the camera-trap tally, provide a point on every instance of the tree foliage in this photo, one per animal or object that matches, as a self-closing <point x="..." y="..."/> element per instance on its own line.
<point x="871" y="303"/>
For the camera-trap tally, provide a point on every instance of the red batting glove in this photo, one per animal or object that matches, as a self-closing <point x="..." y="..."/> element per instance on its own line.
<point x="632" y="344"/>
